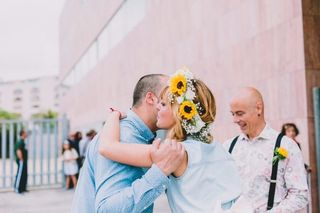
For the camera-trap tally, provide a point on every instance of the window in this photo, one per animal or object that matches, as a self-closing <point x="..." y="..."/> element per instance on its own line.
<point x="17" y="99"/>
<point x="126" y="18"/>
<point x="17" y="92"/>
<point x="35" y="90"/>
<point x="35" y="98"/>
<point x="17" y="107"/>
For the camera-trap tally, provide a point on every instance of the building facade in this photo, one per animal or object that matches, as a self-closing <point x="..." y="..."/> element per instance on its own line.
<point x="32" y="96"/>
<point x="105" y="46"/>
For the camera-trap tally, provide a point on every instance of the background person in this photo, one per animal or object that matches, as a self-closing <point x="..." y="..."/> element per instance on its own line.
<point x="70" y="166"/>
<point x="253" y="151"/>
<point x="21" y="154"/>
<point x="83" y="145"/>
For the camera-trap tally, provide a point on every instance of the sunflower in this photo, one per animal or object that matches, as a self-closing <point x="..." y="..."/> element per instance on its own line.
<point x="187" y="110"/>
<point x="282" y="152"/>
<point x="178" y="84"/>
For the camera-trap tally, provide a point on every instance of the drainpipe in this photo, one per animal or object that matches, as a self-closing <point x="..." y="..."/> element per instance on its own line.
<point x="316" y="105"/>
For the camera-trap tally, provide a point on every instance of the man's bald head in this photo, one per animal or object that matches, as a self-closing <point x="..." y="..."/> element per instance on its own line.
<point x="249" y="95"/>
<point x="247" y="109"/>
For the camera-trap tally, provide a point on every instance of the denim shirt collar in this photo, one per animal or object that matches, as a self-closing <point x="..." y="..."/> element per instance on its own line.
<point x="143" y="129"/>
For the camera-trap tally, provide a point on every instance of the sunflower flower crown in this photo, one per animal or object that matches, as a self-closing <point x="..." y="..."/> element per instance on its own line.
<point x="182" y="90"/>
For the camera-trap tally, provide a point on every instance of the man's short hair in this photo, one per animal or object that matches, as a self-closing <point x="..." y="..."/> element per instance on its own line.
<point x="22" y="132"/>
<point x="148" y="83"/>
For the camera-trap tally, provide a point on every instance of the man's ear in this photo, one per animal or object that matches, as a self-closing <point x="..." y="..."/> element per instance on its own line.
<point x="150" y="98"/>
<point x="259" y="107"/>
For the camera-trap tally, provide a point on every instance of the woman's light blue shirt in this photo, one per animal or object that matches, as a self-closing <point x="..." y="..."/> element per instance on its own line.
<point x="211" y="176"/>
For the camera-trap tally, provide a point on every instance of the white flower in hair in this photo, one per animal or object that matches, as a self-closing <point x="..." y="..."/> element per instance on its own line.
<point x="185" y="72"/>
<point x="179" y="72"/>
<point x="190" y="95"/>
<point x="199" y="123"/>
<point x="179" y="99"/>
<point x="188" y="74"/>
<point x="183" y="91"/>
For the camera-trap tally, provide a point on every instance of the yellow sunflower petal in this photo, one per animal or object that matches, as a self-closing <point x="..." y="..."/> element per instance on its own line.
<point x="178" y="84"/>
<point x="283" y="152"/>
<point x="187" y="110"/>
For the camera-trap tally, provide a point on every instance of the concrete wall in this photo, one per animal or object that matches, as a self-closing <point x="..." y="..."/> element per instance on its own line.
<point x="226" y="43"/>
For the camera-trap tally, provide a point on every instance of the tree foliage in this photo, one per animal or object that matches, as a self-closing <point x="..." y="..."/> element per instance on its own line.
<point x="5" y="115"/>
<point x="47" y="115"/>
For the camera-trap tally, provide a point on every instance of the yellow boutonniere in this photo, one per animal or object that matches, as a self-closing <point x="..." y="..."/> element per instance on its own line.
<point x="281" y="153"/>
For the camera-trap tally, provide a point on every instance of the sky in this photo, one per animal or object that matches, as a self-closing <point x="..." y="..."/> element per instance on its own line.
<point x="29" y="38"/>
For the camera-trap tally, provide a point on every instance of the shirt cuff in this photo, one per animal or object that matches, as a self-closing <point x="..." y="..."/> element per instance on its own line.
<point x="156" y="177"/>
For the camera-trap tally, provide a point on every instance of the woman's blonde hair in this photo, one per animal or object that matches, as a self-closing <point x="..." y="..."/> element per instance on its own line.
<point x="207" y="114"/>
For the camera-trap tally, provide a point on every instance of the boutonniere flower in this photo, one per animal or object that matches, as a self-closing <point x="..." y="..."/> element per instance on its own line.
<point x="281" y="153"/>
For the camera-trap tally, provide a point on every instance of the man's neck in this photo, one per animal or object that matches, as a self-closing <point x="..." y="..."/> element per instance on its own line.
<point x="259" y="128"/>
<point x="143" y="115"/>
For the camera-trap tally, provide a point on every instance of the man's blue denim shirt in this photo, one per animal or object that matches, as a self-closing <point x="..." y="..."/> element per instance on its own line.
<point x="108" y="186"/>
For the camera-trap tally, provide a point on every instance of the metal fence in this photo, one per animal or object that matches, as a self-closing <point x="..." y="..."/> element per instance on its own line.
<point x="44" y="150"/>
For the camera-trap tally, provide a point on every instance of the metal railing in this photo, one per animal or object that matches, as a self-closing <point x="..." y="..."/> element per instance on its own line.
<point x="44" y="150"/>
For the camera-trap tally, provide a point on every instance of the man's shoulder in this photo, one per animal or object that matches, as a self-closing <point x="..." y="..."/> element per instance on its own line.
<point x="130" y="132"/>
<point x="226" y="144"/>
<point x="129" y="125"/>
<point x="132" y="123"/>
<point x="19" y="144"/>
<point x="101" y="167"/>
<point x="290" y="145"/>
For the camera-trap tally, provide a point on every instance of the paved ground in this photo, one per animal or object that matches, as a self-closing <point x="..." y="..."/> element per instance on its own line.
<point x="51" y="201"/>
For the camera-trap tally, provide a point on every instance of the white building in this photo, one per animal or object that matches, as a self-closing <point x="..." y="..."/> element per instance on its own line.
<point x="31" y="96"/>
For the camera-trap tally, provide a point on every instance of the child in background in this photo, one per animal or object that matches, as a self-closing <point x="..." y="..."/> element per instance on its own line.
<point x="70" y="165"/>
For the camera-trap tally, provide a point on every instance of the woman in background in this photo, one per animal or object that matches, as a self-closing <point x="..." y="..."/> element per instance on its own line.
<point x="292" y="131"/>
<point x="70" y="166"/>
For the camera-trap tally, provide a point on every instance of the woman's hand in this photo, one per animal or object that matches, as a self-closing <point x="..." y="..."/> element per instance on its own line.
<point x="168" y="156"/>
<point x="121" y="115"/>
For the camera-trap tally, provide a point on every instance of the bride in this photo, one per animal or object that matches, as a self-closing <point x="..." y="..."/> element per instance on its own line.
<point x="207" y="179"/>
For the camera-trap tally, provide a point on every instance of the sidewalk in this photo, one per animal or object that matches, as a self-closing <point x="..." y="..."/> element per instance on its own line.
<point x="51" y="201"/>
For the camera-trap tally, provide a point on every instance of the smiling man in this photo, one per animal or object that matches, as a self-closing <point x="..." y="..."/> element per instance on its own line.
<point x="270" y="185"/>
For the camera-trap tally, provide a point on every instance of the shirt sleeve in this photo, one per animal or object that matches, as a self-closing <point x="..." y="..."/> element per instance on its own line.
<point x="19" y="145"/>
<point x="295" y="179"/>
<point x="141" y="193"/>
<point x="74" y="153"/>
<point x="136" y="198"/>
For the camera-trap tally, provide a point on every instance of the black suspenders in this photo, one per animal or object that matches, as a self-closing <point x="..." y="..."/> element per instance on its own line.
<point x="234" y="141"/>
<point x="273" y="180"/>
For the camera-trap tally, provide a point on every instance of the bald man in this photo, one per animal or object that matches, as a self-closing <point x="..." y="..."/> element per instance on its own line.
<point x="253" y="152"/>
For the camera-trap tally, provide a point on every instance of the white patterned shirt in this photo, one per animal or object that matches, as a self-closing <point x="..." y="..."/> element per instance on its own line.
<point x="254" y="161"/>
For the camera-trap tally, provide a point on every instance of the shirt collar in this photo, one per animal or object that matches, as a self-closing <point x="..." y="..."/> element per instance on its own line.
<point x="265" y="134"/>
<point x="142" y="128"/>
